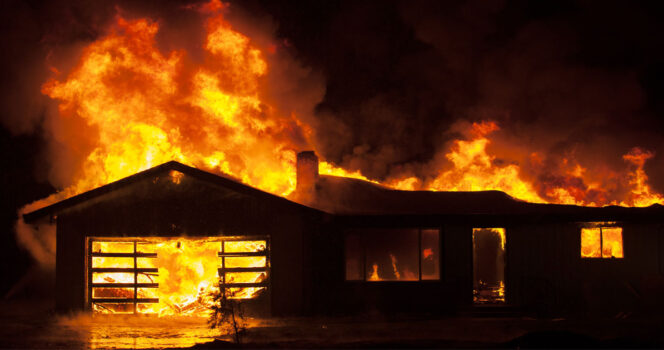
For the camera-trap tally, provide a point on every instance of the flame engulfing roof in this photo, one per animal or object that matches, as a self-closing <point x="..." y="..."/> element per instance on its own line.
<point x="173" y="169"/>
<point x="346" y="196"/>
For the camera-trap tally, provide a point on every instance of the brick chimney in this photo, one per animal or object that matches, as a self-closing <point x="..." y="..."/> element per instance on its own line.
<point x="307" y="174"/>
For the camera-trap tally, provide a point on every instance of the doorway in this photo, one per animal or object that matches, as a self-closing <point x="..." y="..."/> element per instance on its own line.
<point x="489" y="266"/>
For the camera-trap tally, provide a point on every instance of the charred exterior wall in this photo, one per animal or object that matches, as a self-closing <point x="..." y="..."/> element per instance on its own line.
<point x="161" y="207"/>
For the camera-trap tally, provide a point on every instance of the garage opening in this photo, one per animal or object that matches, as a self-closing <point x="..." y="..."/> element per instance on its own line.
<point x="175" y="275"/>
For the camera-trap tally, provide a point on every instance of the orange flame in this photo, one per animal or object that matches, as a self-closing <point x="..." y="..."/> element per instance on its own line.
<point x="474" y="170"/>
<point x="131" y="107"/>
<point x="138" y="108"/>
<point x="601" y="241"/>
<point x="127" y="106"/>
<point x="184" y="278"/>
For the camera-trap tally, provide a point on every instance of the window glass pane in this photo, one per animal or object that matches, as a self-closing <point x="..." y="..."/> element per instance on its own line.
<point x="245" y="277"/>
<point x="392" y="255"/>
<point x="244" y="246"/>
<point x="244" y="293"/>
<point x="112" y="247"/>
<point x="120" y="293"/>
<point x="112" y="262"/>
<point x="590" y="242"/>
<point x="245" y="261"/>
<point x="112" y="277"/>
<point x="430" y="254"/>
<point x="146" y="262"/>
<point x="148" y="277"/>
<point x="354" y="261"/>
<point x="147" y="293"/>
<point x="612" y="246"/>
<point x="149" y="247"/>
<point x="113" y="308"/>
<point x="148" y="308"/>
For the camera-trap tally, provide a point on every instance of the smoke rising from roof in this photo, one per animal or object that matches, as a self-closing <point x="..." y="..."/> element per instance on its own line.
<point x="570" y="81"/>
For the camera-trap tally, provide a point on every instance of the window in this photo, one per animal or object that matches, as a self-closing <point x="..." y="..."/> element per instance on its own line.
<point x="244" y="267"/>
<point x="393" y="255"/>
<point x="599" y="240"/>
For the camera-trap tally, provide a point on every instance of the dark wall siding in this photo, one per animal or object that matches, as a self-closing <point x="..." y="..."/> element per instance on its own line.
<point x="69" y="266"/>
<point x="191" y="208"/>
<point x="540" y="259"/>
<point x="547" y="274"/>
<point x="458" y="264"/>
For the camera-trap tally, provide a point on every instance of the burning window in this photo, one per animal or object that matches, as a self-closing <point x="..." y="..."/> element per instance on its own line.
<point x="244" y="267"/>
<point x="599" y="240"/>
<point x="489" y="265"/>
<point x="393" y="255"/>
<point x="173" y="276"/>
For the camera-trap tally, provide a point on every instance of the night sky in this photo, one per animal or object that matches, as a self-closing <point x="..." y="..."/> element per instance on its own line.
<point x="397" y="77"/>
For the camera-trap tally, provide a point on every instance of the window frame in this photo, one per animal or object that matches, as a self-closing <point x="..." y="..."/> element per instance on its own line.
<point x="601" y="226"/>
<point x="361" y="235"/>
<point x="222" y="269"/>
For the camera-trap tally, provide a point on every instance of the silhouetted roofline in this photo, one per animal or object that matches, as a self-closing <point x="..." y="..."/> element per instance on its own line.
<point x="517" y="207"/>
<point x="205" y="176"/>
<point x="345" y="197"/>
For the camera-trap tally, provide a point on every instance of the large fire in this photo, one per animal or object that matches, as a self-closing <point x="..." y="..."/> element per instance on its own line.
<point x="134" y="106"/>
<point x="128" y="106"/>
<point x="173" y="276"/>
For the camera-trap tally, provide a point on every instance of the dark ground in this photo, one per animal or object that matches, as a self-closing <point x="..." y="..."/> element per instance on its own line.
<point x="29" y="324"/>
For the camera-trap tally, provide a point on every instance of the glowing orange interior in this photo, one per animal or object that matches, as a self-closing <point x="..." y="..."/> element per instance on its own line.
<point x="602" y="242"/>
<point x="172" y="276"/>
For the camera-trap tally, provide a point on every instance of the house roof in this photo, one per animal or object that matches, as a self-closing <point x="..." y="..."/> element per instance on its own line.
<point x="201" y="175"/>
<point x="351" y="197"/>
<point x="344" y="196"/>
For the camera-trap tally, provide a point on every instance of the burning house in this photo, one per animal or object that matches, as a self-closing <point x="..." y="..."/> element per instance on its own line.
<point x="421" y="204"/>
<point x="159" y="241"/>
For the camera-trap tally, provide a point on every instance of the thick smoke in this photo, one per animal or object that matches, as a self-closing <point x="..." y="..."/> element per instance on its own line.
<point x="291" y="88"/>
<point x="569" y="81"/>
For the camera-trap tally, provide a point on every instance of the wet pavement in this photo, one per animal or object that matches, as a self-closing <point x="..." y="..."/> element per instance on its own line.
<point x="34" y="325"/>
<point x="28" y="325"/>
